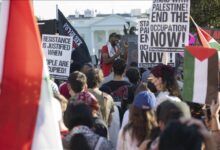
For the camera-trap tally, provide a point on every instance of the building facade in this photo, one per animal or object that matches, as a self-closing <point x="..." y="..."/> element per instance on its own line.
<point x="96" y="30"/>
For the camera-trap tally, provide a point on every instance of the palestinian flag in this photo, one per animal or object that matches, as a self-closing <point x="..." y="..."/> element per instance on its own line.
<point x="26" y="114"/>
<point x="200" y="75"/>
<point x="206" y="39"/>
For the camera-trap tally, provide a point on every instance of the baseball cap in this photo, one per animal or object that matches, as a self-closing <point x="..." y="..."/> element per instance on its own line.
<point x="145" y="100"/>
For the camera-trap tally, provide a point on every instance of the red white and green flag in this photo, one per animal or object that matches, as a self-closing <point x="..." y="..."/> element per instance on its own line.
<point x="206" y="39"/>
<point x="26" y="113"/>
<point x="200" y="74"/>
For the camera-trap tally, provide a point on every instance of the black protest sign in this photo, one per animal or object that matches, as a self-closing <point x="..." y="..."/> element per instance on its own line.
<point x="58" y="51"/>
<point x="169" y="25"/>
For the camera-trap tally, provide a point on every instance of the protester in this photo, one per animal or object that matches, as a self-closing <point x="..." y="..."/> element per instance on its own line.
<point x="64" y="89"/>
<point x="188" y="134"/>
<point x="163" y="77"/>
<point x="94" y="78"/>
<point x="78" y="89"/>
<point x="167" y="111"/>
<point x="118" y="88"/>
<point x="133" y="76"/>
<point x="78" y="119"/>
<point x="141" y="121"/>
<point x="141" y="87"/>
<point x="109" y="53"/>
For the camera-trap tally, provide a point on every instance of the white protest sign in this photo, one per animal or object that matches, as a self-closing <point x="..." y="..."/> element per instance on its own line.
<point x="148" y="58"/>
<point x="169" y="25"/>
<point x="58" y="51"/>
<point x="151" y="59"/>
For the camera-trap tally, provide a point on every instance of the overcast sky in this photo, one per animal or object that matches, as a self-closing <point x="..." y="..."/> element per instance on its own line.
<point x="46" y="9"/>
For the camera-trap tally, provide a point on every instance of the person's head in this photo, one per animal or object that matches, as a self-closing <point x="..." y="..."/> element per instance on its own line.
<point x="77" y="81"/>
<point x="119" y="66"/>
<point x="163" y="77"/>
<point x="141" y="117"/>
<point x="141" y="87"/>
<point x="133" y="75"/>
<point x="133" y="64"/>
<point x="179" y="136"/>
<point x="86" y="67"/>
<point x="114" y="39"/>
<point x="94" y="78"/>
<point x="78" y="113"/>
<point x="171" y="110"/>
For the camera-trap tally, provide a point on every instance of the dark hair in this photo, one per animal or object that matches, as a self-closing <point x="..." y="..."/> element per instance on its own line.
<point x="119" y="66"/>
<point x="114" y="35"/>
<point x="167" y="73"/>
<point x="94" y="78"/>
<point x="178" y="136"/>
<point x="171" y="110"/>
<point x="141" y="122"/>
<point x="79" y="142"/>
<point x="133" y="75"/>
<point x="133" y="64"/>
<point x="77" y="81"/>
<point x="89" y="66"/>
<point x="78" y="113"/>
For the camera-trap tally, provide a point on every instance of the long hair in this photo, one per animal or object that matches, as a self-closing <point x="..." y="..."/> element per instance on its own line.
<point x="170" y="83"/>
<point x="141" y="122"/>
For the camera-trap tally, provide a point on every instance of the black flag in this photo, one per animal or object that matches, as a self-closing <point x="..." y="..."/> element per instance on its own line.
<point x="80" y="54"/>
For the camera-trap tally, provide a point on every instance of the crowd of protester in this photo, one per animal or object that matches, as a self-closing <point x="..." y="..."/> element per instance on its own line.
<point x="134" y="109"/>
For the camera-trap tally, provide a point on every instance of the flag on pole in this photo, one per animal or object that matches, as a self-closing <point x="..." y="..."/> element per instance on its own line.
<point x="80" y="54"/>
<point x="26" y="118"/>
<point x="200" y="74"/>
<point x="206" y="39"/>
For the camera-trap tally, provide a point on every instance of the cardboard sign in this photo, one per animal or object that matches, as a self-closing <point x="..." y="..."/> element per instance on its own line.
<point x="58" y="51"/>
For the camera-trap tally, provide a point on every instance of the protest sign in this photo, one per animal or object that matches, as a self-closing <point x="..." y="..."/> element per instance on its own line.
<point x="58" y="51"/>
<point x="169" y="25"/>
<point x="151" y="59"/>
<point x="200" y="75"/>
<point x="147" y="58"/>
